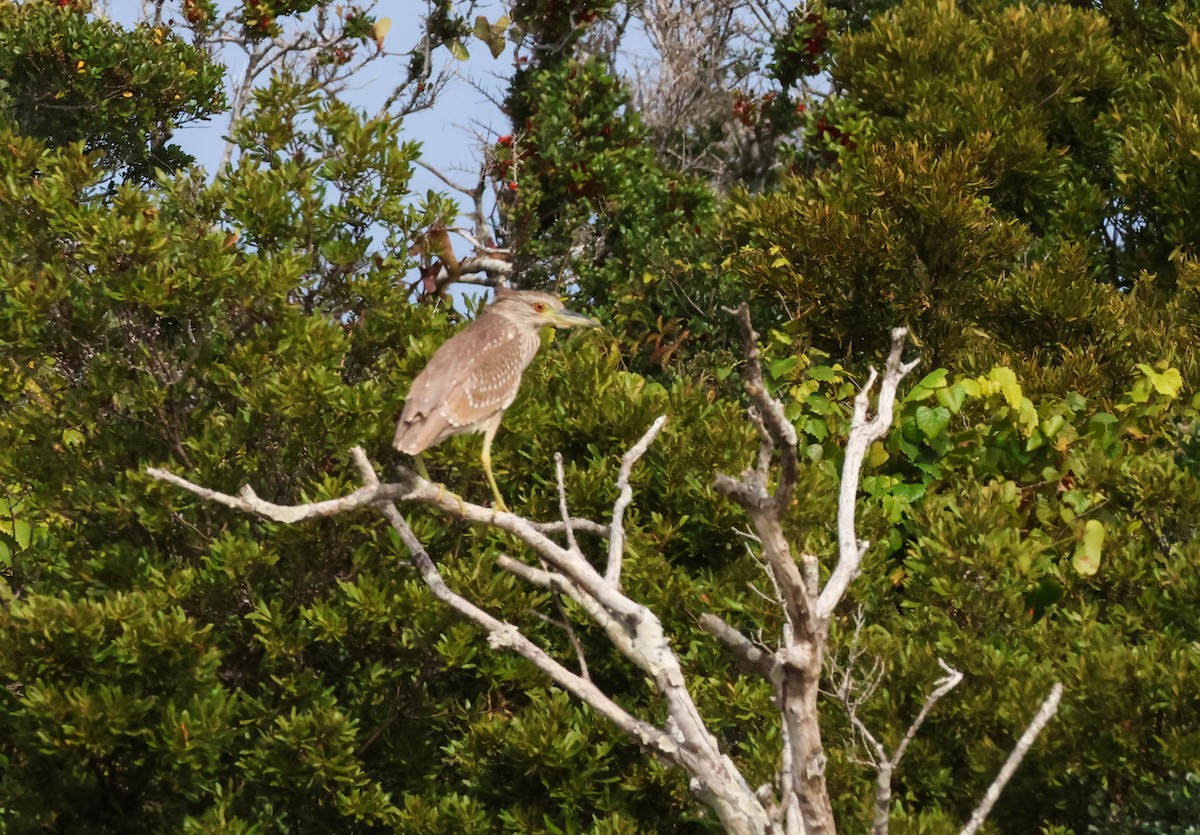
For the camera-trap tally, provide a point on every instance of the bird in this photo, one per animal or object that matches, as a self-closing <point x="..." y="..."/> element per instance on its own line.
<point x="474" y="376"/>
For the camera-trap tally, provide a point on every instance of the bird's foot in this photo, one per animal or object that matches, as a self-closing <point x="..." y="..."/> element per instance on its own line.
<point x="442" y="491"/>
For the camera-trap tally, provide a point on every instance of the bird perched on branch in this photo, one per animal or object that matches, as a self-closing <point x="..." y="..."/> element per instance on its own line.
<point x="474" y="376"/>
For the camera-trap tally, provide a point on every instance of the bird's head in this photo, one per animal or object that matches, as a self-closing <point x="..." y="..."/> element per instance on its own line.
<point x="534" y="309"/>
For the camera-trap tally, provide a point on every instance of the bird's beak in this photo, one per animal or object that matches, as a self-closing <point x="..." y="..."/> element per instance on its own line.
<point x="571" y="319"/>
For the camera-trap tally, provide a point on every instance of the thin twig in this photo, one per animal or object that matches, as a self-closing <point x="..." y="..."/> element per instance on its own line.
<point x="502" y="634"/>
<point x="952" y="679"/>
<point x="770" y="411"/>
<point x="572" y="637"/>
<point x="864" y="431"/>
<point x="562" y="502"/>
<point x="1045" y="713"/>
<point x="616" y="539"/>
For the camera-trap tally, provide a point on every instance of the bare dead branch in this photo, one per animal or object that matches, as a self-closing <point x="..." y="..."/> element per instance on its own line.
<point x="487" y="249"/>
<point x="749" y="657"/>
<point x="248" y="501"/>
<point x="501" y="633"/>
<point x="564" y="623"/>
<point x="480" y="270"/>
<point x="445" y="178"/>
<point x="416" y="489"/>
<point x="631" y="627"/>
<point x="806" y="608"/>
<point x="585" y="525"/>
<point x="1041" y="718"/>
<point x="886" y="765"/>
<point x="864" y="431"/>
<point x="616" y="540"/>
<point x="562" y="503"/>
<point x="541" y="577"/>
<point x="770" y="411"/>
<point x="751" y="491"/>
<point x="557" y="585"/>
<point x="951" y="680"/>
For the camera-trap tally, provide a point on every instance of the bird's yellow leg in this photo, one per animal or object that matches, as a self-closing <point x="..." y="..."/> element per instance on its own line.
<point x="486" y="458"/>
<point x="421" y="471"/>
<point x="424" y="473"/>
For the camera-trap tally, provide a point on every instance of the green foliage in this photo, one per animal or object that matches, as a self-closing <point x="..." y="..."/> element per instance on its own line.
<point x="1171" y="810"/>
<point x="1023" y="87"/>
<point x="1014" y="182"/>
<point x="68" y="77"/>
<point x="998" y="568"/>
<point x="137" y="329"/>
<point x="581" y="179"/>
<point x="173" y="666"/>
<point x="899" y="238"/>
<point x="980" y="504"/>
<point x="799" y="50"/>
<point x="250" y="330"/>
<point x="260" y="18"/>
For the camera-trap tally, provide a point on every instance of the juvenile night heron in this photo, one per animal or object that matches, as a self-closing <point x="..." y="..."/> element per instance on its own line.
<point x="470" y="380"/>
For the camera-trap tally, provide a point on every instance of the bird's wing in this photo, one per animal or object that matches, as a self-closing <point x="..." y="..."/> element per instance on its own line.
<point x="491" y="384"/>
<point x="439" y="403"/>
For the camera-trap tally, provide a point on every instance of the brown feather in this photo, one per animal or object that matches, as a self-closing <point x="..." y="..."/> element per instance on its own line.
<point x="439" y="402"/>
<point x="471" y="379"/>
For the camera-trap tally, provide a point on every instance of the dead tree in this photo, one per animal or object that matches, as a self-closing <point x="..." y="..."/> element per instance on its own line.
<point x="797" y="802"/>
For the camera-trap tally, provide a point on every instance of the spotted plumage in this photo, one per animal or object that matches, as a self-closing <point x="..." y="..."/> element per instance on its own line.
<point x="475" y="375"/>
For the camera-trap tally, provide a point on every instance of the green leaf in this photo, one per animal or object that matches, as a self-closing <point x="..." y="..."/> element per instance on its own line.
<point x="22" y="533"/>
<point x="932" y="422"/>
<point x="780" y="367"/>
<point x="1167" y="382"/>
<point x="1051" y="425"/>
<point x="72" y="438"/>
<point x="923" y="390"/>
<point x="952" y="397"/>
<point x="491" y="34"/>
<point x="1006" y="381"/>
<point x="1087" y="552"/>
<point x="909" y="492"/>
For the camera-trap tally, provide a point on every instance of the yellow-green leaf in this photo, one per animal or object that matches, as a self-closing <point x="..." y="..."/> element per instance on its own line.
<point x="932" y="422"/>
<point x="1087" y="552"/>
<point x="1167" y="382"/>
<point x="380" y="30"/>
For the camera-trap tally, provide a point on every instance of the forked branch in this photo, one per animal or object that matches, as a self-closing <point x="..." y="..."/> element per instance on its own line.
<point x="798" y="801"/>
<point x="864" y="431"/>
<point x="631" y="627"/>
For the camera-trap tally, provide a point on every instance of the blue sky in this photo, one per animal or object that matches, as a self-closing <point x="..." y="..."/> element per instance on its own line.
<point x="449" y="132"/>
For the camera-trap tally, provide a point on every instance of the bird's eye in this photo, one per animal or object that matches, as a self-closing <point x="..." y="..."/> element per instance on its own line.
<point x="539" y="307"/>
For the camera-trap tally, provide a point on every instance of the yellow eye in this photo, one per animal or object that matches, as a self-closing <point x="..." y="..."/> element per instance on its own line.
<point x="539" y="307"/>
